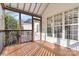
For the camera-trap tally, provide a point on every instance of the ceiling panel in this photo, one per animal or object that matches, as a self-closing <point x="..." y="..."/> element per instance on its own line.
<point x="14" y="5"/>
<point x="32" y="7"/>
<point x="7" y="4"/>
<point x="42" y="8"/>
<point x="27" y="6"/>
<point x="37" y="7"/>
<point x="21" y="6"/>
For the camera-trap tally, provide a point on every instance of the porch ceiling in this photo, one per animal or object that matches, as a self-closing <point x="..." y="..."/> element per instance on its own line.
<point x="33" y="8"/>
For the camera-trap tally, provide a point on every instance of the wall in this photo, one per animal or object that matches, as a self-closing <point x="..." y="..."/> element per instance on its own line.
<point x="53" y="9"/>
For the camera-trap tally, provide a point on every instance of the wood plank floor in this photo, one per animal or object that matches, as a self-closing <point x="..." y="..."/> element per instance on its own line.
<point x="38" y="48"/>
<point x="28" y="49"/>
<point x="58" y="50"/>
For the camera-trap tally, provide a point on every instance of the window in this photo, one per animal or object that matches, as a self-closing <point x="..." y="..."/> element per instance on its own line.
<point x="58" y="26"/>
<point x="11" y="20"/>
<point x="49" y="26"/>
<point x="71" y="24"/>
<point x="26" y="22"/>
<point x="37" y="18"/>
<point x="37" y="28"/>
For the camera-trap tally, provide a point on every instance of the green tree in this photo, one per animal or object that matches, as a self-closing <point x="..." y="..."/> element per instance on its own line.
<point x="10" y="22"/>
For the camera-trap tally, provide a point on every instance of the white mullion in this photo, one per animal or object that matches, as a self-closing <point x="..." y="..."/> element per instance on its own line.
<point x="71" y="24"/>
<point x="63" y="25"/>
<point x="53" y="26"/>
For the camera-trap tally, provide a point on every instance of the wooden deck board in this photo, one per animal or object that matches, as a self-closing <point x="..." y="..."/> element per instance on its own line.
<point x="58" y="50"/>
<point x="40" y="48"/>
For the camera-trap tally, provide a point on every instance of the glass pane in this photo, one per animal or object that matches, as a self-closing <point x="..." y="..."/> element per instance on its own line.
<point x="58" y="20"/>
<point x="71" y="17"/>
<point x="49" y="26"/>
<point x="58" y="31"/>
<point x="36" y="17"/>
<point x="58" y="26"/>
<point x="26" y="22"/>
<point x="76" y="13"/>
<point x="12" y="20"/>
<point x="49" y="31"/>
<point x="71" y="21"/>
<point x="71" y="32"/>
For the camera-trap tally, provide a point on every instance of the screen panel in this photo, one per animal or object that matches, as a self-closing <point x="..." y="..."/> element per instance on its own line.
<point x="26" y="22"/>
<point x="12" y="21"/>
